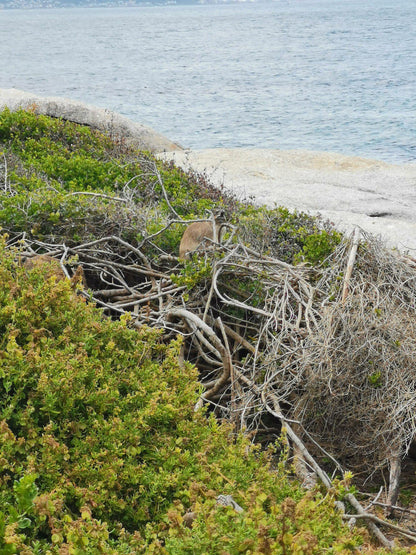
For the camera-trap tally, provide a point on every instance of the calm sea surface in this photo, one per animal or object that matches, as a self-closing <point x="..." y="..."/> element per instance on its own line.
<point x="336" y="75"/>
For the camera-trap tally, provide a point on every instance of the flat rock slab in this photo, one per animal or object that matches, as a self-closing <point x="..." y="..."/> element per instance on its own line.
<point x="116" y="125"/>
<point x="349" y="191"/>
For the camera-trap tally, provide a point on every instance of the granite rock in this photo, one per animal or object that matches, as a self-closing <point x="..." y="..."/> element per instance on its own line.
<point x="135" y="134"/>
<point x="350" y="191"/>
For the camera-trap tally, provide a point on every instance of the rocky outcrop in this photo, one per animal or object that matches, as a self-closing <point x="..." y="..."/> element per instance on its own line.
<point x="135" y="134"/>
<point x="348" y="190"/>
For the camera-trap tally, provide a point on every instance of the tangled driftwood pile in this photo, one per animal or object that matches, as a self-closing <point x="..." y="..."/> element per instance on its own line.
<point x="330" y="351"/>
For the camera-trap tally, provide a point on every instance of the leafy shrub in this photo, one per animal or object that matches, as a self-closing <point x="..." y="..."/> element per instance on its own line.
<point x="293" y="237"/>
<point x="51" y="161"/>
<point x="100" y="439"/>
<point x="195" y="271"/>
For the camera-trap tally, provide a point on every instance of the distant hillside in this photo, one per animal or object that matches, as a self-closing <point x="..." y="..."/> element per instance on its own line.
<point x="35" y="4"/>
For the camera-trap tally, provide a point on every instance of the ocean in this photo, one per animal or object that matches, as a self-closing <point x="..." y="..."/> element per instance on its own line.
<point x="332" y="75"/>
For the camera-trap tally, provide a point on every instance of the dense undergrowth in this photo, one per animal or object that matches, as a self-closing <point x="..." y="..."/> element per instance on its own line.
<point x="101" y="449"/>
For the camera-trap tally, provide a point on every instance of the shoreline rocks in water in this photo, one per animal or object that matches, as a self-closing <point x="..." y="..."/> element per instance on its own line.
<point x="135" y="134"/>
<point x="348" y="190"/>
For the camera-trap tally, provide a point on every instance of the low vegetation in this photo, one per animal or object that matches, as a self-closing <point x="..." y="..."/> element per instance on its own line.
<point x="65" y="183"/>
<point x="128" y="411"/>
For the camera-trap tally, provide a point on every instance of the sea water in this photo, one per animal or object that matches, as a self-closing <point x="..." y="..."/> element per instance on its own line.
<point x="335" y="75"/>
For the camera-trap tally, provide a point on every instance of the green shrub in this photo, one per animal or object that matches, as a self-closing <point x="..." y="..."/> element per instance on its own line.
<point x="50" y="159"/>
<point x="293" y="237"/>
<point x="99" y="437"/>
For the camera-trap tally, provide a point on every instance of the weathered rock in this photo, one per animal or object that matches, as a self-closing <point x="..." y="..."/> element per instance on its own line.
<point x="135" y="134"/>
<point x="348" y="190"/>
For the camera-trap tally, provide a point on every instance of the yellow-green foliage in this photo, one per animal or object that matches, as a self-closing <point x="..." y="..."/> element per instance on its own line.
<point x="194" y="271"/>
<point x="102" y="452"/>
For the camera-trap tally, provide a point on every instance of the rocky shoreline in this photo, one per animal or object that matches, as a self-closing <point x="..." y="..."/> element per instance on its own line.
<point x="350" y="191"/>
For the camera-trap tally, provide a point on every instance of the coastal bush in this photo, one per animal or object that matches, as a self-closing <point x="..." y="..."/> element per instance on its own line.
<point x="63" y="178"/>
<point x="64" y="182"/>
<point x="293" y="237"/>
<point x="102" y="451"/>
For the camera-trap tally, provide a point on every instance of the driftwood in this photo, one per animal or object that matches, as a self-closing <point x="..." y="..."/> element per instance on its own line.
<point x="350" y="264"/>
<point x="328" y="353"/>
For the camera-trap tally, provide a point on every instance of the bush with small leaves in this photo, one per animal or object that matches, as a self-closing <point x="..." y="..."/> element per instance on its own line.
<point x="293" y="237"/>
<point x="66" y="181"/>
<point x="105" y="453"/>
